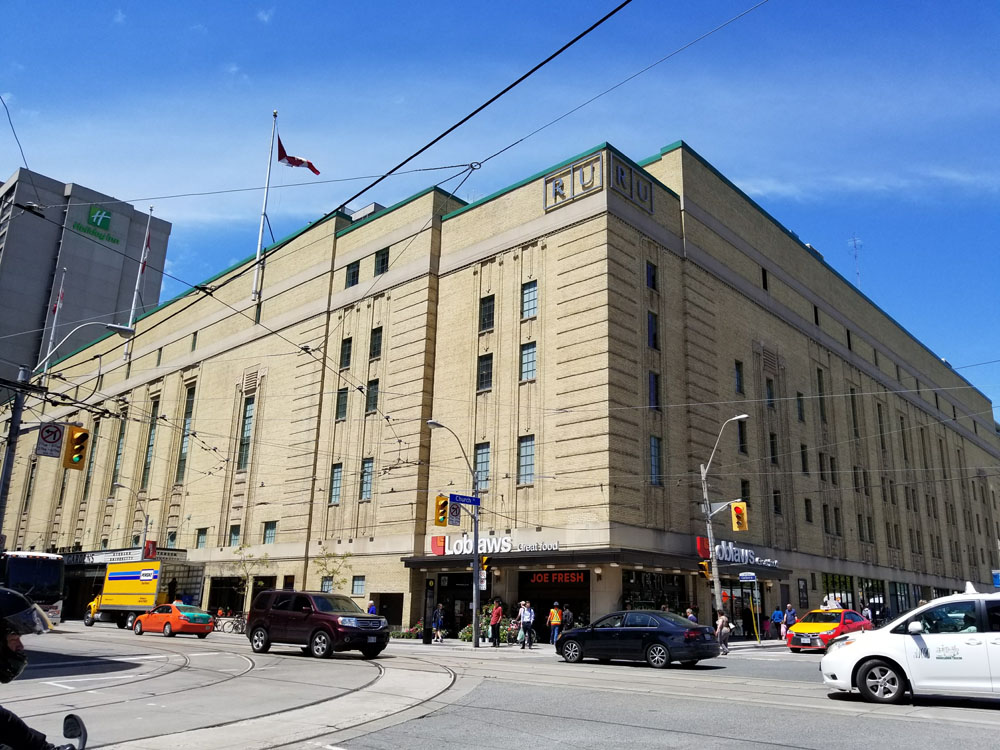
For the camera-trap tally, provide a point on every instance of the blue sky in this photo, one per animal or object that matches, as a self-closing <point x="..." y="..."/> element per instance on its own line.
<point x="875" y="120"/>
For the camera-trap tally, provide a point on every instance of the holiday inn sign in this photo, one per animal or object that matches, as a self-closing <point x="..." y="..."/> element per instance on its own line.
<point x="98" y="224"/>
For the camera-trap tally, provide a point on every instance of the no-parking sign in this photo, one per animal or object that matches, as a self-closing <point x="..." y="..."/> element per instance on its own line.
<point x="50" y="440"/>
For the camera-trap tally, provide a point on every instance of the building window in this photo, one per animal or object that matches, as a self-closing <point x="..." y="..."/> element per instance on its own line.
<point x="826" y="518"/>
<point x="815" y="323"/>
<point x="357" y="586"/>
<point x="528" y="361"/>
<point x="654" y="391"/>
<point x="482" y="467"/>
<point x="185" y="434"/>
<point x="902" y="438"/>
<point x="652" y="331"/>
<point x="171" y="539"/>
<point x="769" y="392"/>
<point x="854" y="415"/>
<point x="821" y="393"/>
<point x="234" y="535"/>
<point x="371" y="396"/>
<point x="486" y="313"/>
<point x="484" y="372"/>
<point x="838" y="528"/>
<point x="341" y="411"/>
<point x="655" y="461"/>
<point x="741" y="436"/>
<point x="336" y="480"/>
<point x="135" y="540"/>
<point x="776" y="502"/>
<point x="772" y="441"/>
<point x="809" y="510"/>
<point x="850" y="343"/>
<point x="800" y="406"/>
<point x="147" y="463"/>
<point x="30" y="486"/>
<point x="739" y="376"/>
<point x="804" y="454"/>
<point x="353" y="274"/>
<point x="651" y="275"/>
<point x="194" y="341"/>
<point x="62" y="487"/>
<point x="822" y="467"/>
<point x="270" y="531"/>
<point x="246" y="431"/>
<point x="529" y="299"/>
<point x="763" y="279"/>
<point x="117" y="469"/>
<point x="375" y="344"/>
<point x="201" y="537"/>
<point x="346" y="346"/>
<point x="526" y="459"/>
<point x="744" y="489"/>
<point x="326" y="584"/>
<point x="381" y="261"/>
<point x="834" y="471"/>
<point x="367" y="468"/>
<point x="159" y="356"/>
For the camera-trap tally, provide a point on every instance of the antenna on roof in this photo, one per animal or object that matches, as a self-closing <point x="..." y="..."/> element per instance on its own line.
<point x="855" y="245"/>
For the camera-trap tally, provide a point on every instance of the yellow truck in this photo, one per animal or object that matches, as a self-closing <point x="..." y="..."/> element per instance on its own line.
<point x="133" y="588"/>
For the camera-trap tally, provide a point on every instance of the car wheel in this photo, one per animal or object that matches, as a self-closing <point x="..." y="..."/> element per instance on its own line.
<point x="259" y="641"/>
<point x="88" y="620"/>
<point x="657" y="656"/>
<point x="689" y="663"/>
<point x="202" y="635"/>
<point x="320" y="644"/>
<point x="370" y="652"/>
<point x="794" y="650"/>
<point x="131" y="620"/>
<point x="120" y="622"/>
<point x="137" y="628"/>
<point x="881" y="682"/>
<point x="168" y="631"/>
<point x="572" y="651"/>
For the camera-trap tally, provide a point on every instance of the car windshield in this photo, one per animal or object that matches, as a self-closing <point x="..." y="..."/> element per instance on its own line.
<point x="822" y="617"/>
<point x="334" y="603"/>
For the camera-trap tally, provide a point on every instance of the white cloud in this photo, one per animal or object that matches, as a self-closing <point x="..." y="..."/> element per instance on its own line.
<point x="119" y="16"/>
<point x="232" y="69"/>
<point x="199" y="28"/>
<point x="264" y="16"/>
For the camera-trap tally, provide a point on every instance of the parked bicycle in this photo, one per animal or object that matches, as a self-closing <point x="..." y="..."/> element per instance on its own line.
<point x="237" y="624"/>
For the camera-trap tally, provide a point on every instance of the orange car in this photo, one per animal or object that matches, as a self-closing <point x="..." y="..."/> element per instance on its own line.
<point x="171" y="619"/>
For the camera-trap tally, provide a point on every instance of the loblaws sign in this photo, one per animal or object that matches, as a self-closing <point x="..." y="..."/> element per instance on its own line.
<point x="729" y="552"/>
<point x="443" y="545"/>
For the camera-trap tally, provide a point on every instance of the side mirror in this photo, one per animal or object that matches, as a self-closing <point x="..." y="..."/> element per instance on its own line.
<point x="915" y="627"/>
<point x="73" y="728"/>
<point x="307" y="609"/>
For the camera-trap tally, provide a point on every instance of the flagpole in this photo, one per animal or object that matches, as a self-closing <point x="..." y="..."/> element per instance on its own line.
<point x="55" y="319"/>
<point x="138" y="279"/>
<point x="255" y="294"/>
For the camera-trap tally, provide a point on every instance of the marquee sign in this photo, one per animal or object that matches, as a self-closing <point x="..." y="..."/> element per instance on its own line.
<point x="443" y="545"/>
<point x="727" y="552"/>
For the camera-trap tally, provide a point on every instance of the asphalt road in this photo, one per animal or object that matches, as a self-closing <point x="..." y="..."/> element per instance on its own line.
<point x="152" y="693"/>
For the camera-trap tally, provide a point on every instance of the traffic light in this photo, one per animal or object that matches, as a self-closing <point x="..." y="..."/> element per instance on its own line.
<point x="441" y="511"/>
<point x="74" y="455"/>
<point x="739" y="512"/>
<point x="484" y="563"/>
<point x="705" y="570"/>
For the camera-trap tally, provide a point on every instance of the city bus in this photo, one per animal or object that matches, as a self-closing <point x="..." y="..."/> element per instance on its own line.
<point x="38" y="575"/>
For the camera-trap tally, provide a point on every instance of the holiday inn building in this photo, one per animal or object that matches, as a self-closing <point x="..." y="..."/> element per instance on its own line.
<point x="583" y="336"/>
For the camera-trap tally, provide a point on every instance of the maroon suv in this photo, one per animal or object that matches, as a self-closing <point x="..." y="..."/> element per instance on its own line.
<point x="320" y="623"/>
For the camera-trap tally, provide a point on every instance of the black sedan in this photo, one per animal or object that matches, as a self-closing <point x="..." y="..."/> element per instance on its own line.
<point x="657" y="637"/>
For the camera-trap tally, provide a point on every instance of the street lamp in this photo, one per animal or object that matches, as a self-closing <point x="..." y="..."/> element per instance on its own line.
<point x="145" y="510"/>
<point x="123" y="331"/>
<point x="716" y="586"/>
<point x="434" y="424"/>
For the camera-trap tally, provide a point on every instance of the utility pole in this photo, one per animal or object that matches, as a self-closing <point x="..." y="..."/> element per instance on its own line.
<point x="13" y="430"/>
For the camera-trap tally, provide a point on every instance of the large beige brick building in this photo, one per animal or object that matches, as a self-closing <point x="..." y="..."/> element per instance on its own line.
<point x="584" y="334"/>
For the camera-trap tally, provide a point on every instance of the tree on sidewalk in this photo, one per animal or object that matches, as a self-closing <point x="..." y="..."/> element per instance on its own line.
<point x="334" y="567"/>
<point x="245" y="566"/>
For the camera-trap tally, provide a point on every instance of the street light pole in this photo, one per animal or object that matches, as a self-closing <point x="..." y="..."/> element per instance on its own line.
<point x="716" y="585"/>
<point x="434" y="424"/>
<point x="145" y="511"/>
<point x="123" y="331"/>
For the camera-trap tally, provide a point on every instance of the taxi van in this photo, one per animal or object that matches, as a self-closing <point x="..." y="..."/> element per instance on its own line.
<point x="950" y="646"/>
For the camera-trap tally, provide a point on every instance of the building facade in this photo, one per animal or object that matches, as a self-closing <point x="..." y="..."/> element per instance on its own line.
<point x="583" y="335"/>
<point x="95" y="238"/>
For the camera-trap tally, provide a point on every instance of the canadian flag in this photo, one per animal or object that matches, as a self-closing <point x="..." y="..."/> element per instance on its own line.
<point x="59" y="301"/>
<point x="294" y="161"/>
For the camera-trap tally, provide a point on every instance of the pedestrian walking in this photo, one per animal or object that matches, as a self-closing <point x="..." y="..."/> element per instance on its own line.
<point x="866" y="612"/>
<point x="776" y="618"/>
<point x="567" y="619"/>
<point x="495" y="616"/>
<point x="788" y="619"/>
<point x="526" y="616"/>
<point x="437" y="622"/>
<point x="554" y="621"/>
<point x="691" y="615"/>
<point x="371" y="607"/>
<point x="722" y="631"/>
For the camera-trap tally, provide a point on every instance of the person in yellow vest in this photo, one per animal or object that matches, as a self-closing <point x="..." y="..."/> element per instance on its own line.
<point x="554" y="621"/>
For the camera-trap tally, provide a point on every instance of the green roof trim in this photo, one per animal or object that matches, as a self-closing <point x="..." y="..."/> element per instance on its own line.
<point x="795" y="238"/>
<point x="400" y="204"/>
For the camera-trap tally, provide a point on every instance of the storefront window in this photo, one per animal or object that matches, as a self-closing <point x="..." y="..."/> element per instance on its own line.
<point x="642" y="590"/>
<point x="838" y="588"/>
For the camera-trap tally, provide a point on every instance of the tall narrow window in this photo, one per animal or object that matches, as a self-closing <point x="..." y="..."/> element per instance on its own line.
<point x="341" y="410"/>
<point x="375" y="344"/>
<point x="881" y="425"/>
<point x="154" y="408"/>
<point x="357" y="586"/>
<point x="486" y="313"/>
<point x="484" y="372"/>
<point x="741" y="436"/>
<point x="270" y="532"/>
<point x="89" y="476"/>
<point x="738" y="373"/>
<point x="201" y="538"/>
<point x="854" y="415"/>
<point x="763" y="279"/>
<point x="809" y="510"/>
<point x="902" y="438"/>
<point x="367" y="468"/>
<point x="171" y="539"/>
<point x="336" y="481"/>
<point x="654" y="391"/>
<point x="528" y="361"/>
<point x="838" y="528"/>
<point x="861" y="527"/>
<point x="529" y="299"/>
<point x="234" y="535"/>
<point x="346" y="346"/>
<point x="182" y="455"/>
<point x="159" y="356"/>
<point x="526" y="459"/>
<point x="820" y="392"/>
<point x="62" y="488"/>
<point x="744" y="489"/>
<point x="772" y="440"/>
<point x="776" y="502"/>
<point x="353" y="274"/>
<point x="381" y="261"/>
<point x="119" y="448"/>
<point x="371" y="396"/>
<point x="769" y="392"/>
<point x="804" y="455"/>
<point x="194" y="341"/>
<point x="30" y="485"/>
<point x="482" y="466"/>
<point x="800" y="406"/>
<point x="246" y="432"/>
<point x="652" y="330"/>
<point x="650" y="275"/>
<point x="834" y="471"/>
<point x="815" y="315"/>
<point x="826" y="519"/>
<point x="655" y="461"/>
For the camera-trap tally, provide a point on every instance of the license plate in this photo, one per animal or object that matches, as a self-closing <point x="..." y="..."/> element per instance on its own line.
<point x="801" y="641"/>
<point x="372" y="639"/>
<point x="708" y="636"/>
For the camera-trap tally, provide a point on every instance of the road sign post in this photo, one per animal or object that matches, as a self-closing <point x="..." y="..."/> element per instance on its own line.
<point x="463" y="499"/>
<point x="50" y="440"/>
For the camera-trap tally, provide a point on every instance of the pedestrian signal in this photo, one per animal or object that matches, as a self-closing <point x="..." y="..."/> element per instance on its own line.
<point x="441" y="511"/>
<point x="75" y="453"/>
<point x="739" y="513"/>
<point x="705" y="571"/>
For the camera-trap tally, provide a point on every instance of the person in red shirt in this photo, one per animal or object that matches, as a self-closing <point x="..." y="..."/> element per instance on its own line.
<point x="495" y="616"/>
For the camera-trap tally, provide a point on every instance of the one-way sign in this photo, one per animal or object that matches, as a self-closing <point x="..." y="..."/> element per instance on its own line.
<point x="50" y="441"/>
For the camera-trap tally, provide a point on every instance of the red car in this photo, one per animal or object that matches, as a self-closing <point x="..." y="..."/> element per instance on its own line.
<point x="820" y="626"/>
<point x="171" y="619"/>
